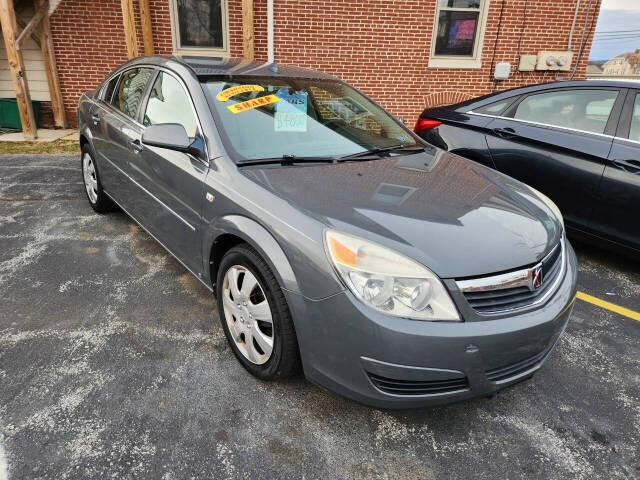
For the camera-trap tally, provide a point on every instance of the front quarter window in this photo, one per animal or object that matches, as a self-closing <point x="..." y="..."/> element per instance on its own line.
<point x="169" y="103"/>
<point x="269" y="118"/>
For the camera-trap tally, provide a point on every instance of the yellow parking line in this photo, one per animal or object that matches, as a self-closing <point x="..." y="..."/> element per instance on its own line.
<point x="609" y="306"/>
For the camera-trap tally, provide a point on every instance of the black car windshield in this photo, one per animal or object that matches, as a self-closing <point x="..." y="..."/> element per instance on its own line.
<point x="263" y="118"/>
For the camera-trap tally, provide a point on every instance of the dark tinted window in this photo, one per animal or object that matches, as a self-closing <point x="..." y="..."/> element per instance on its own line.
<point x="634" y="132"/>
<point x="200" y="23"/>
<point x="130" y="90"/>
<point x="169" y="103"/>
<point x="495" y="108"/>
<point x="580" y="109"/>
<point x="457" y="31"/>
<point x="107" y="90"/>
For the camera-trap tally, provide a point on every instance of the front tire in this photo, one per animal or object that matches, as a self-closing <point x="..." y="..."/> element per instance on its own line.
<point x="98" y="200"/>
<point x="255" y="316"/>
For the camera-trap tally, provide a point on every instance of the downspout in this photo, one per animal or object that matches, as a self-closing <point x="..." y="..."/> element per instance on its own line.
<point x="573" y="25"/>
<point x="270" y="53"/>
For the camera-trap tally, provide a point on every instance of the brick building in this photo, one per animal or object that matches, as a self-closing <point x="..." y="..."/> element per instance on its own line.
<point x="406" y="54"/>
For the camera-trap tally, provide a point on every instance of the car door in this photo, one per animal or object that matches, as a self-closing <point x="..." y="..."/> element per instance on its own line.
<point x="174" y="181"/>
<point x="615" y="216"/>
<point x="117" y="134"/>
<point x="558" y="142"/>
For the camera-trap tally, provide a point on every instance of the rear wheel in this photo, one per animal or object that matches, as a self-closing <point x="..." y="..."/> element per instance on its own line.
<point x="93" y="187"/>
<point x="255" y="316"/>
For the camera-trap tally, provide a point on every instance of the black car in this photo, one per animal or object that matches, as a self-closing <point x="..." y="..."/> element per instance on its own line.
<point x="578" y="142"/>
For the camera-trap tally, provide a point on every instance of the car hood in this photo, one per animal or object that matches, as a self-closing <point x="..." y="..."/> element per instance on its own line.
<point x="455" y="216"/>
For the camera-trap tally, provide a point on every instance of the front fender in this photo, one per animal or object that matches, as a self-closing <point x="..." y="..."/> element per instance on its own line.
<point x="259" y="238"/>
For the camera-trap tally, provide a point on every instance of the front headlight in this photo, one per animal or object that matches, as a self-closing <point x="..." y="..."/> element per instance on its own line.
<point x="388" y="281"/>
<point x="549" y="203"/>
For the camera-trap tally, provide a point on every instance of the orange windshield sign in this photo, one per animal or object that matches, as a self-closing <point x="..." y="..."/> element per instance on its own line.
<point x="251" y="104"/>
<point x="230" y="92"/>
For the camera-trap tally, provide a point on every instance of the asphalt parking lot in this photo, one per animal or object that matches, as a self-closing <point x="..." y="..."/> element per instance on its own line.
<point x="113" y="364"/>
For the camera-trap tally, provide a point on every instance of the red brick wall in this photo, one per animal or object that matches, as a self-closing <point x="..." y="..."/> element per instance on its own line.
<point x="381" y="46"/>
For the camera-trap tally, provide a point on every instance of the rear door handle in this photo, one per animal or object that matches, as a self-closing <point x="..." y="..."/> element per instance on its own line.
<point x="136" y="145"/>
<point x="95" y="118"/>
<point x="631" y="166"/>
<point x="506" y="132"/>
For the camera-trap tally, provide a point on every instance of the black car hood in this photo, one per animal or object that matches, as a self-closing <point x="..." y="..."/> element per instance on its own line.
<point x="455" y="216"/>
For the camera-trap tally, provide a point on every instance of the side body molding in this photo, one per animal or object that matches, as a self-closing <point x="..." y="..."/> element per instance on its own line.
<point x="259" y="238"/>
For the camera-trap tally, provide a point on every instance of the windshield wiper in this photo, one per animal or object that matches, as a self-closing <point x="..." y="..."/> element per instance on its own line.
<point x="378" y="151"/>
<point x="288" y="160"/>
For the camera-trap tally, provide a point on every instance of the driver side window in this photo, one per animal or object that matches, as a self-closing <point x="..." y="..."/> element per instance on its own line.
<point x="169" y="103"/>
<point x="580" y="109"/>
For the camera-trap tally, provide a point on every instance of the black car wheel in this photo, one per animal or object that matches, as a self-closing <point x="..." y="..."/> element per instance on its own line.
<point x="98" y="200"/>
<point x="255" y="316"/>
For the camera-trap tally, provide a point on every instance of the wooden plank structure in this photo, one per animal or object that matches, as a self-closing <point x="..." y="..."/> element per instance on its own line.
<point x="39" y="29"/>
<point x="247" y="29"/>
<point x="145" y="21"/>
<point x="128" y="21"/>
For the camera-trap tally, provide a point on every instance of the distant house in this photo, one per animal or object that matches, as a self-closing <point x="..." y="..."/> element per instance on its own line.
<point x="594" y="68"/>
<point x="623" y="64"/>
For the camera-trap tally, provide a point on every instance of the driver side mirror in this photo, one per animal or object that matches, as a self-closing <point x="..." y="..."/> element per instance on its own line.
<point x="171" y="136"/>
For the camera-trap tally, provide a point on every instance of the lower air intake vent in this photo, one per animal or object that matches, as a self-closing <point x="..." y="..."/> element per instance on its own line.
<point x="508" y="371"/>
<point x="418" y="387"/>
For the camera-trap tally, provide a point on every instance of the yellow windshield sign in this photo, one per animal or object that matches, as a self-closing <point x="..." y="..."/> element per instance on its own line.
<point x="227" y="93"/>
<point x="251" y="104"/>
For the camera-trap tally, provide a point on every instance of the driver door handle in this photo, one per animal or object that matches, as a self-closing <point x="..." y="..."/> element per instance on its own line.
<point x="506" y="132"/>
<point x="136" y="146"/>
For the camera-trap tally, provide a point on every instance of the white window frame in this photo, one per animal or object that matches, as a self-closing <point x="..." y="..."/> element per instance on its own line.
<point x="206" y="51"/>
<point x="459" y="61"/>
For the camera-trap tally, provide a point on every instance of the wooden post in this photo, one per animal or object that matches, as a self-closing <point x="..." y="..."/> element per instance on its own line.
<point x="247" y="29"/>
<point x="40" y="12"/>
<point x="147" y="32"/>
<point x="129" y="28"/>
<point x="50" y="68"/>
<point x="16" y="66"/>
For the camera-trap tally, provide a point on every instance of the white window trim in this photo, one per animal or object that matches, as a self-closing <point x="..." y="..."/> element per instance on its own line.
<point x="454" y="61"/>
<point x="206" y="51"/>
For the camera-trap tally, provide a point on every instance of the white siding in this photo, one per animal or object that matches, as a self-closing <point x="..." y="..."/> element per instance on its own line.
<point x="34" y="65"/>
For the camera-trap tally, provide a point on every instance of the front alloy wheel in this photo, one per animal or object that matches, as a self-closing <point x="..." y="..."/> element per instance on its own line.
<point x="248" y="315"/>
<point x="255" y="316"/>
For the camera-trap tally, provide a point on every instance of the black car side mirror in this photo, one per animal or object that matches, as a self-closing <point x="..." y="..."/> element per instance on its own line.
<point x="171" y="136"/>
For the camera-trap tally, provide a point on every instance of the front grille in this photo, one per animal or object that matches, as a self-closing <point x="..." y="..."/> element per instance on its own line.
<point x="508" y="371"/>
<point x="418" y="387"/>
<point x="502" y="299"/>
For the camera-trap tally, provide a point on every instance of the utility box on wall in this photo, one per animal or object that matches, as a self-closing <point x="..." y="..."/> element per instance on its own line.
<point x="560" y="61"/>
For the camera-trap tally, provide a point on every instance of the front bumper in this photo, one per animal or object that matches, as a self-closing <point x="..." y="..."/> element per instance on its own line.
<point x="383" y="361"/>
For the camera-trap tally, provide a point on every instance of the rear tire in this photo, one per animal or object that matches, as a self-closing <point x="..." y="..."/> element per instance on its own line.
<point x="98" y="200"/>
<point x="252" y="326"/>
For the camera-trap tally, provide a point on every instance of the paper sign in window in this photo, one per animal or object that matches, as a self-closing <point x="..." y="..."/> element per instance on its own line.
<point x="227" y="93"/>
<point x="253" y="103"/>
<point x="291" y="112"/>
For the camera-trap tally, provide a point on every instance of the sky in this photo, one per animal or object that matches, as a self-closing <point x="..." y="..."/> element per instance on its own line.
<point x="615" y="16"/>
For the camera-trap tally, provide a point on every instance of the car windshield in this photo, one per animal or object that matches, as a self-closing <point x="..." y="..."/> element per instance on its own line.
<point x="262" y="118"/>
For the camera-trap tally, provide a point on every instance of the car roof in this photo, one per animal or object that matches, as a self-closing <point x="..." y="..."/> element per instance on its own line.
<point x="211" y="66"/>
<point x="495" y="97"/>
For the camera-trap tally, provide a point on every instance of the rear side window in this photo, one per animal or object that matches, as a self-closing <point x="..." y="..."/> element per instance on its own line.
<point x="582" y="109"/>
<point x="130" y="90"/>
<point x="107" y="90"/>
<point x="169" y="103"/>
<point x="495" y="108"/>
<point x="634" y="131"/>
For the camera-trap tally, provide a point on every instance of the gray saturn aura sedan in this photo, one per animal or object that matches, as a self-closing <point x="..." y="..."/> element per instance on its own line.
<point x="336" y="241"/>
